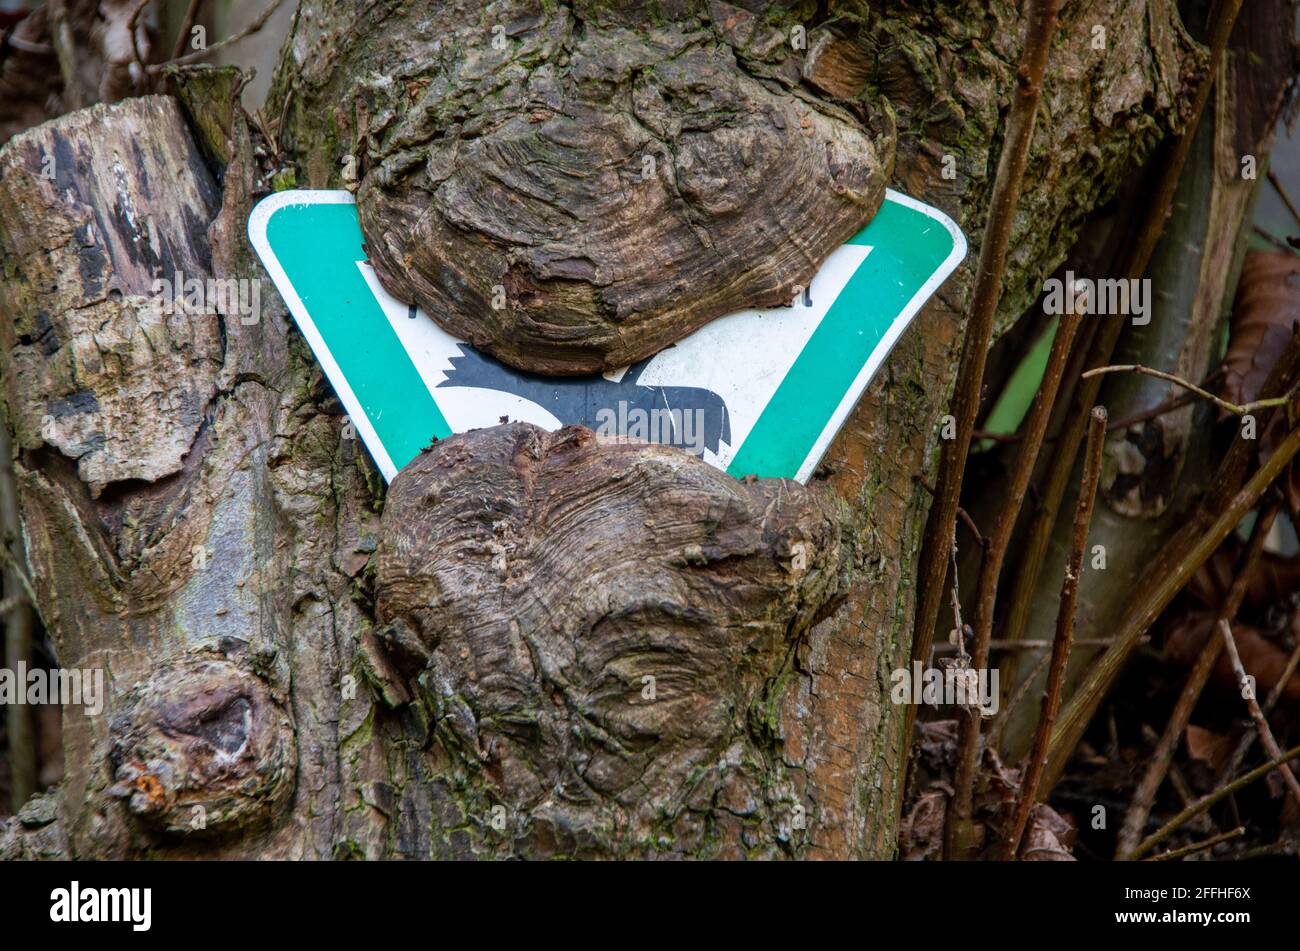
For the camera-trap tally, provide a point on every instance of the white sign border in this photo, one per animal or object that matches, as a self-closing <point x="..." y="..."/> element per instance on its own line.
<point x="261" y="215"/>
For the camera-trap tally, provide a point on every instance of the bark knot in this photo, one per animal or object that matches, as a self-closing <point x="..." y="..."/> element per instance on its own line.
<point x="203" y="746"/>
<point x="581" y="190"/>
<point x="599" y="620"/>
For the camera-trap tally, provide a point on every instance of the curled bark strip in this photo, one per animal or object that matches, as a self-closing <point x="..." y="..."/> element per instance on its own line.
<point x="606" y="626"/>
<point x="573" y="190"/>
<point x="203" y="746"/>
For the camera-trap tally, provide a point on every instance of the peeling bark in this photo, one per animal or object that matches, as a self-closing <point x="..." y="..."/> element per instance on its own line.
<point x="106" y="377"/>
<point x="134" y="435"/>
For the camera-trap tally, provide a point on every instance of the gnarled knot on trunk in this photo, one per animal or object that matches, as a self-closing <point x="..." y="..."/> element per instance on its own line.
<point x="572" y="187"/>
<point x="203" y="746"/>
<point x="606" y="631"/>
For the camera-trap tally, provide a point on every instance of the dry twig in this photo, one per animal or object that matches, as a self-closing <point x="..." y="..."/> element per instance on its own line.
<point x="1242" y="410"/>
<point x="1035" y="428"/>
<point x="1144" y="796"/>
<point x="1195" y="847"/>
<point x="1041" y="24"/>
<point x="1282" y="193"/>
<point x="1222" y="508"/>
<point x="187" y="27"/>
<point x="1256" y="714"/>
<point x="1205" y="802"/>
<point x="1064" y="634"/>
<point x="221" y="44"/>
<point x="1107" y="335"/>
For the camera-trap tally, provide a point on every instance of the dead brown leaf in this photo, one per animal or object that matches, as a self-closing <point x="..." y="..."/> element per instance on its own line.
<point x="1209" y="747"/>
<point x="1261" y="656"/>
<point x="920" y="834"/>
<point x="1274" y="579"/>
<point x="1049" y="837"/>
<point x="1266" y="308"/>
<point x="1264" y="316"/>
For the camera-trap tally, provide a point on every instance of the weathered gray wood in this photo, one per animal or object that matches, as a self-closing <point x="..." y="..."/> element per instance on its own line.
<point x="131" y="428"/>
<point x="101" y="375"/>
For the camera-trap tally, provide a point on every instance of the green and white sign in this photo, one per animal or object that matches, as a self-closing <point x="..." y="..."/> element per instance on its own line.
<point x="758" y="392"/>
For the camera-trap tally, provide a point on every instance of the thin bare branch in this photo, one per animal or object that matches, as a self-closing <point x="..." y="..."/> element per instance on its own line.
<point x="957" y="834"/>
<point x="1041" y="24"/>
<point x="1144" y="796"/>
<point x="1017" y="698"/>
<point x="1233" y="493"/>
<point x="1282" y="193"/>
<point x="222" y="44"/>
<point x="187" y="26"/>
<point x="1195" y="847"/>
<point x="1274" y="239"/>
<point x="1036" y="644"/>
<point x="1218" y="401"/>
<point x="980" y="434"/>
<point x="959" y="627"/>
<point x="1064" y="634"/>
<point x="1166" y="406"/>
<point x="1205" y="802"/>
<point x="1136" y="259"/>
<point x="1256" y="714"/>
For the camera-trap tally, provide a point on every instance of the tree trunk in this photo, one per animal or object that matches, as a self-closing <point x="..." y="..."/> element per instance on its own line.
<point x="304" y="664"/>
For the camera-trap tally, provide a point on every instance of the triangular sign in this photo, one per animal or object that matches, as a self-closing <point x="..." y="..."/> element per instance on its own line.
<point x="757" y="392"/>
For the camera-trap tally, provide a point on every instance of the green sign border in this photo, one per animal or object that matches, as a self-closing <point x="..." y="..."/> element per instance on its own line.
<point x="312" y="256"/>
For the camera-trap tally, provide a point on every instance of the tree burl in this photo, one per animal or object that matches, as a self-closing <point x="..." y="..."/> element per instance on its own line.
<point x="574" y="187"/>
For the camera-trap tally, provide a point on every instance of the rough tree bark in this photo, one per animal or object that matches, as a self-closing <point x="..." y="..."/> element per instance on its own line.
<point x="455" y="666"/>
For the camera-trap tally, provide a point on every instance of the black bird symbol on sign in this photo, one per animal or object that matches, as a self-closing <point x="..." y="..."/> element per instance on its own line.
<point x="582" y="399"/>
